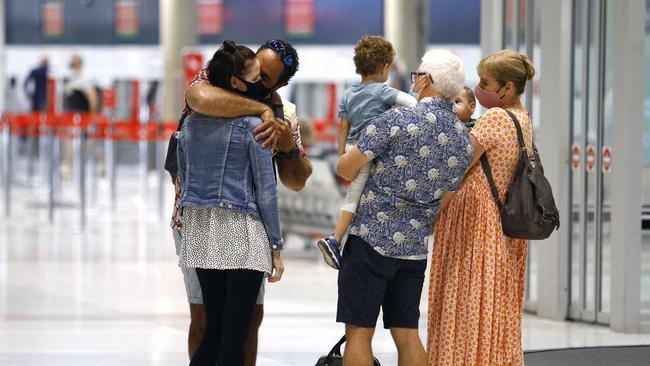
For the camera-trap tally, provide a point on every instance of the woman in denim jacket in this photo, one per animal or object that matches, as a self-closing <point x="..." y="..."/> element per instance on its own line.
<point x="231" y="227"/>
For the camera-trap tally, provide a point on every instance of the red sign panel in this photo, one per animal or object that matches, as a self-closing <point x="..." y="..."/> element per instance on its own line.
<point x="210" y="15"/>
<point x="575" y="157"/>
<point x="607" y="159"/>
<point x="127" y="18"/>
<point x="591" y="159"/>
<point x="299" y="17"/>
<point x="192" y="64"/>
<point x="52" y="19"/>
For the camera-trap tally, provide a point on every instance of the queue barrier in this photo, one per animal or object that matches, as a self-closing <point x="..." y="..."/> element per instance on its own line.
<point x="83" y="129"/>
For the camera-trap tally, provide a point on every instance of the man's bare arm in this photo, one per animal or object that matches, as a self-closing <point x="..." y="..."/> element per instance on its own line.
<point x="294" y="172"/>
<point x="213" y="101"/>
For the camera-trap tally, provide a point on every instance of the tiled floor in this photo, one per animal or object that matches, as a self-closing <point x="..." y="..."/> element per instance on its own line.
<point x="112" y="294"/>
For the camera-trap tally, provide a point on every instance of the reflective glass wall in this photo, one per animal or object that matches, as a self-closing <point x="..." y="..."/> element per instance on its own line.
<point x="645" y="242"/>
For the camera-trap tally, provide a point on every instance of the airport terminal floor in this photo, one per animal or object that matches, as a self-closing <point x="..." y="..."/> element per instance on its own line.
<point x="112" y="294"/>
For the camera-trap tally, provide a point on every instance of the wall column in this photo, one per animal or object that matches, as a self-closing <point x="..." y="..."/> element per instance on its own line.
<point x="405" y="26"/>
<point x="177" y="30"/>
<point x="554" y="136"/>
<point x="628" y="92"/>
<point x="491" y="26"/>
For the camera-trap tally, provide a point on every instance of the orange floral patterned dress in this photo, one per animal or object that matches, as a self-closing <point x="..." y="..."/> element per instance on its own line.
<point x="476" y="288"/>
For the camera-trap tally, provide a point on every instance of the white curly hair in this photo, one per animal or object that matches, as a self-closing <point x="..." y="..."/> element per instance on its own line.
<point x="446" y="70"/>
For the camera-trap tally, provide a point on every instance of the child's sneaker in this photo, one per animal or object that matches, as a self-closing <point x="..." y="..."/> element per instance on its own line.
<point x="331" y="250"/>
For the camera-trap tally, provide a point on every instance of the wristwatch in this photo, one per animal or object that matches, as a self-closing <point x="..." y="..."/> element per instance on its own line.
<point x="292" y="154"/>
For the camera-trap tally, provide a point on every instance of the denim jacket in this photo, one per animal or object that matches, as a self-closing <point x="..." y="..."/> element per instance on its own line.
<point x="221" y="165"/>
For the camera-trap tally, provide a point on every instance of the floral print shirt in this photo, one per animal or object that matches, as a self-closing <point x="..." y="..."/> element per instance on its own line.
<point x="418" y="153"/>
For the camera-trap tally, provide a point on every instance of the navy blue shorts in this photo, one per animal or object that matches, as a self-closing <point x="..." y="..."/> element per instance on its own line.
<point x="368" y="282"/>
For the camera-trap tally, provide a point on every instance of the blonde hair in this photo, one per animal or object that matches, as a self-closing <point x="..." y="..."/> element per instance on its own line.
<point x="508" y="65"/>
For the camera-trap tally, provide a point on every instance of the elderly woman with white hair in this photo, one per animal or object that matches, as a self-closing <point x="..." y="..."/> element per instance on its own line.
<point x="418" y="154"/>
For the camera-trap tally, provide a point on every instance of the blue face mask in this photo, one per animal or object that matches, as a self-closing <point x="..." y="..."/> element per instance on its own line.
<point x="413" y="93"/>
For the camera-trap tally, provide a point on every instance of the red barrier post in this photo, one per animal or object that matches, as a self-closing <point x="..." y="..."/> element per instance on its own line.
<point x="7" y="162"/>
<point x="51" y="96"/>
<point x="135" y="102"/>
<point x="109" y="143"/>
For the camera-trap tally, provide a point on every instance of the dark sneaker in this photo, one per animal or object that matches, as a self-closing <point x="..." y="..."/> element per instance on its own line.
<point x="331" y="250"/>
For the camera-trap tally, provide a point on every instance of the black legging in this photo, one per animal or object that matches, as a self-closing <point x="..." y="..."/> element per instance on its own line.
<point x="229" y="298"/>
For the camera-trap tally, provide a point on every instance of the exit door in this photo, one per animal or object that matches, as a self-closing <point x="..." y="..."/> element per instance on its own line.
<point x="591" y="165"/>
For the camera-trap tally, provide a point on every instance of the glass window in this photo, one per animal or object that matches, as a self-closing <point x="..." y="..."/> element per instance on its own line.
<point x="608" y="125"/>
<point x="578" y="143"/>
<point x="645" y="249"/>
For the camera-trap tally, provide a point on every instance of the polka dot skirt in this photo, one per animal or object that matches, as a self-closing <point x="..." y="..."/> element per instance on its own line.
<point x="216" y="238"/>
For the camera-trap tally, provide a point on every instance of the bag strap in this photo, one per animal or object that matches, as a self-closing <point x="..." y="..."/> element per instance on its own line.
<point x="486" y="165"/>
<point x="336" y="350"/>
<point x="520" y="138"/>
<point x="520" y="134"/>
<point x="488" y="174"/>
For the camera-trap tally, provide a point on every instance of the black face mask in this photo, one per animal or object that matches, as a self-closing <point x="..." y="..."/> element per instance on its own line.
<point x="256" y="90"/>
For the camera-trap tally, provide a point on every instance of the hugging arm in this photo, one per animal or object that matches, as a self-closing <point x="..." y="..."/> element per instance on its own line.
<point x="214" y="101"/>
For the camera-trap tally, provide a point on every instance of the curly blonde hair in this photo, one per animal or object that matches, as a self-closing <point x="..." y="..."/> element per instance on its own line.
<point x="371" y="54"/>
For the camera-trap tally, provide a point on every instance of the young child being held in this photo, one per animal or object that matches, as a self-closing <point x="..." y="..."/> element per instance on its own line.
<point x="464" y="106"/>
<point x="361" y="103"/>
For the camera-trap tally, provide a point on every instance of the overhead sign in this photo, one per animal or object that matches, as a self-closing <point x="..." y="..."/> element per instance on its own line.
<point x="127" y="18"/>
<point x="299" y="17"/>
<point x="52" y="18"/>
<point x="575" y="157"/>
<point x="607" y="159"/>
<point x="210" y="17"/>
<point x="591" y="159"/>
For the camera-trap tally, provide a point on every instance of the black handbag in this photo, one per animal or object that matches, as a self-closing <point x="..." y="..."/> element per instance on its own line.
<point x="335" y="358"/>
<point x="528" y="211"/>
<point x="171" y="160"/>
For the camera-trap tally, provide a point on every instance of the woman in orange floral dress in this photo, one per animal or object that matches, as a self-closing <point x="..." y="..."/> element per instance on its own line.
<point x="476" y="289"/>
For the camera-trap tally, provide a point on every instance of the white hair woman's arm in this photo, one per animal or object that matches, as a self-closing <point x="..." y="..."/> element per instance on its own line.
<point x="350" y="164"/>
